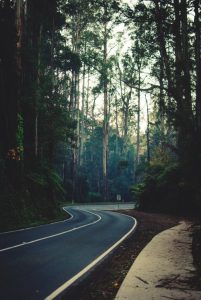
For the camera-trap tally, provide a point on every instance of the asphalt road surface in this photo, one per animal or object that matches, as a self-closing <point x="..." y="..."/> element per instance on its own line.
<point x="38" y="261"/>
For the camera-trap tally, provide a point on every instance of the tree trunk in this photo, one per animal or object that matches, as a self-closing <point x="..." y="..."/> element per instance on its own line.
<point x="163" y="50"/>
<point x="183" y="81"/>
<point x="162" y="100"/>
<point x="31" y="78"/>
<point x="75" y="100"/>
<point x="186" y="59"/>
<point x="148" y="131"/>
<point x="82" y="113"/>
<point x="197" y="22"/>
<point x="72" y="89"/>
<point x="19" y="30"/>
<point x="88" y="89"/>
<point x="9" y="89"/>
<point x="138" y="124"/>
<point x="78" y="120"/>
<point x="117" y="128"/>
<point x="38" y="89"/>
<point x="105" y="122"/>
<point x="180" y="90"/>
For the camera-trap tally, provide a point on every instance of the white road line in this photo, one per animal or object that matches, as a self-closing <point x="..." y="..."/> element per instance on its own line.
<point x="33" y="227"/>
<point x="54" y="235"/>
<point x="91" y="265"/>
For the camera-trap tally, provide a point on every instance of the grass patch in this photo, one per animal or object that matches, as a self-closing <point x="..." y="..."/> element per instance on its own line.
<point x="33" y="222"/>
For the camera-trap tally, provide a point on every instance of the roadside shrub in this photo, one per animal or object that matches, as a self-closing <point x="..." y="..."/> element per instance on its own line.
<point x="94" y="197"/>
<point x="164" y="190"/>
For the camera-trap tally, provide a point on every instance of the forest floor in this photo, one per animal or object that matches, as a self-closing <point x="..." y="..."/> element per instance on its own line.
<point x="104" y="282"/>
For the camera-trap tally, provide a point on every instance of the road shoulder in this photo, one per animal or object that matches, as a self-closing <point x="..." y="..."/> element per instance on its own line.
<point x="164" y="269"/>
<point x="105" y="280"/>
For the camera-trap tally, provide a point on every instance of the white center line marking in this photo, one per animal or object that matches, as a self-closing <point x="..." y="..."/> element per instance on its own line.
<point x="91" y="265"/>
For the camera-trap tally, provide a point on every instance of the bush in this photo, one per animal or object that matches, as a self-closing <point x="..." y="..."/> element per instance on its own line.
<point x="94" y="197"/>
<point x="164" y="190"/>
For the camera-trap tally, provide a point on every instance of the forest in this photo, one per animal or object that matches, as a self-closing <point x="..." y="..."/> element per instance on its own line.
<point x="99" y="98"/>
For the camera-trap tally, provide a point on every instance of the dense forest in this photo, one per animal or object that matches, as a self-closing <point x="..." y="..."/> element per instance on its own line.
<point x="99" y="98"/>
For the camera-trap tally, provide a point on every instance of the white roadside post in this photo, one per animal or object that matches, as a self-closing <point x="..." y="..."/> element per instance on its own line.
<point x="118" y="199"/>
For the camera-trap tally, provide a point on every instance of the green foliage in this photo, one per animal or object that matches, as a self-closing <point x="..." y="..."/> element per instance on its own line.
<point x="94" y="197"/>
<point x="123" y="164"/>
<point x="137" y="191"/>
<point x="46" y="178"/>
<point x="120" y="166"/>
<point x="67" y="60"/>
<point x="164" y="190"/>
<point x="49" y="63"/>
<point x="20" y="134"/>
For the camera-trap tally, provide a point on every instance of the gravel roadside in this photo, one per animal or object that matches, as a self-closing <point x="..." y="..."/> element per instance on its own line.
<point x="104" y="282"/>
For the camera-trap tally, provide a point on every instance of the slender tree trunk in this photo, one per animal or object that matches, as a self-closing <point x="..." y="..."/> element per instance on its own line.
<point x="197" y="22"/>
<point x="117" y="128"/>
<point x="186" y="59"/>
<point x="105" y="123"/>
<point x="75" y="108"/>
<point x="19" y="30"/>
<point x="178" y="66"/>
<point x="88" y="90"/>
<point x="75" y="149"/>
<point x="30" y="73"/>
<point x="183" y="81"/>
<point x="72" y="92"/>
<point x="9" y="92"/>
<point x="162" y="100"/>
<point x="78" y="121"/>
<point x="93" y="108"/>
<point x="38" y="89"/>
<point x="163" y="50"/>
<point x="138" y="124"/>
<point x="82" y="114"/>
<point x="148" y="131"/>
<point x="20" y="35"/>
<point x="127" y="99"/>
<point x="36" y="135"/>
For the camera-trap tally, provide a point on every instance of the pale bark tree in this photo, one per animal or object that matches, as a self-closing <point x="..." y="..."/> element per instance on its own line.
<point x="138" y="117"/>
<point x="106" y="121"/>
<point x="116" y="126"/>
<point x="82" y="111"/>
<point x="148" y="130"/>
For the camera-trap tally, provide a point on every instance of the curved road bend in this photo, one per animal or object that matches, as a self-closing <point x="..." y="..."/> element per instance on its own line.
<point x="35" y="262"/>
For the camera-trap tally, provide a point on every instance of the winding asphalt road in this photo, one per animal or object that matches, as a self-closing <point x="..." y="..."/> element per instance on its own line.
<point x="41" y="262"/>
